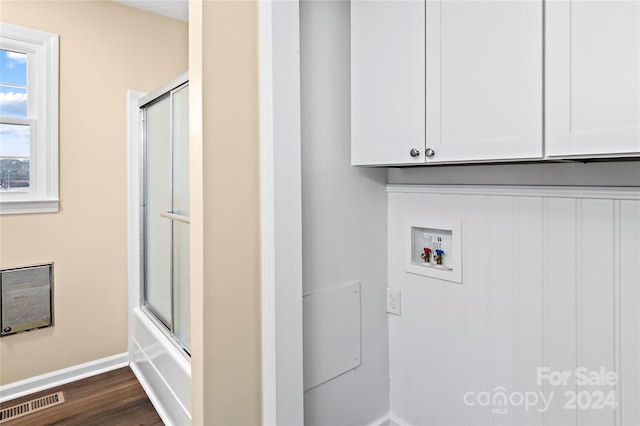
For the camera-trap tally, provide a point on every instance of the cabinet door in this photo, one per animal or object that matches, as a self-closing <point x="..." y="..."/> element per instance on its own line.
<point x="387" y="81"/>
<point x="592" y="77"/>
<point x="484" y="80"/>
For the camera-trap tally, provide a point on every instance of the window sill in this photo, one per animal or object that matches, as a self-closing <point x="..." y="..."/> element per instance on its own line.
<point x="29" y="206"/>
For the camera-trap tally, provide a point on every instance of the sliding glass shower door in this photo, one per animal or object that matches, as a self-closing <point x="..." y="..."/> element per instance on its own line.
<point x="166" y="212"/>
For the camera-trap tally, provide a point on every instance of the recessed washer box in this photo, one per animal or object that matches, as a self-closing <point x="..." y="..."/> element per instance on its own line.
<point x="433" y="248"/>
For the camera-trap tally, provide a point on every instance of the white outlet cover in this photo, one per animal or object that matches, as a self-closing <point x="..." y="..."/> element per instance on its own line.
<point x="394" y="301"/>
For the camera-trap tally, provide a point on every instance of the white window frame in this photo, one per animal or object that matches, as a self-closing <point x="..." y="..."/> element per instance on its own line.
<point x="42" y="118"/>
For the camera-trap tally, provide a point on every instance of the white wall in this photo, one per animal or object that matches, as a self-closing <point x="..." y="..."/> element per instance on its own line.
<point x="550" y="278"/>
<point x="281" y="180"/>
<point x="344" y="215"/>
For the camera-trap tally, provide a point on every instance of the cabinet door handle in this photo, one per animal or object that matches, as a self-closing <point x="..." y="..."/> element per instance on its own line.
<point x="429" y="152"/>
<point x="414" y="153"/>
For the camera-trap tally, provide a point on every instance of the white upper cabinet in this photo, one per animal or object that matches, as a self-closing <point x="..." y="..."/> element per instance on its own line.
<point x="484" y="80"/>
<point x="592" y="77"/>
<point x="479" y="64"/>
<point x="387" y="82"/>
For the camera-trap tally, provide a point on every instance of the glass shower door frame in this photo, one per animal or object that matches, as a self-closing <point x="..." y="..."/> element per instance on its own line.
<point x="166" y="325"/>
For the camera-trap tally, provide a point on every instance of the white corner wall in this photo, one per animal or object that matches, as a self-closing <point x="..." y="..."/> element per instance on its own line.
<point x="344" y="216"/>
<point x="550" y="279"/>
<point x="282" y="322"/>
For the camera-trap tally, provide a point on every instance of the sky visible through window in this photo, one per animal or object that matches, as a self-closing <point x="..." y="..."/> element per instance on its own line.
<point x="14" y="137"/>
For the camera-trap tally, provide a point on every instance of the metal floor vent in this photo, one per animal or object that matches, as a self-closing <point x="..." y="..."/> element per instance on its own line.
<point x="31" y="407"/>
<point x="26" y="298"/>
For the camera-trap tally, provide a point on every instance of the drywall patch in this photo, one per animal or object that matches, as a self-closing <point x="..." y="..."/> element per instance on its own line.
<point x="331" y="333"/>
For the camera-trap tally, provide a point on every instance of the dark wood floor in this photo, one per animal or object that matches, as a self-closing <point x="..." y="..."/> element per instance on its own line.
<point x="113" y="398"/>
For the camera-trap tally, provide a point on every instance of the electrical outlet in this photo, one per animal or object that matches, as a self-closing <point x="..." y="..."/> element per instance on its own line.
<point x="393" y="301"/>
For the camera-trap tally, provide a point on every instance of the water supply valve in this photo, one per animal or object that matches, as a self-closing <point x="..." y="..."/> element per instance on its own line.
<point x="426" y="256"/>
<point x="438" y="256"/>
<point x="433" y="249"/>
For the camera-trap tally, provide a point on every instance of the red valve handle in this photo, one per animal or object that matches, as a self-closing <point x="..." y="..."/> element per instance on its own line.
<point x="427" y="250"/>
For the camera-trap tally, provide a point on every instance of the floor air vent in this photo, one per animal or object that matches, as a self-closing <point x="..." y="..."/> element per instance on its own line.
<point x="26" y="298"/>
<point x="31" y="407"/>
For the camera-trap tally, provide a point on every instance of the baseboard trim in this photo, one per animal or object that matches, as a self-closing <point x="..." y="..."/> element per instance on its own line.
<point x="382" y="421"/>
<point x="397" y="421"/>
<point x="60" y="377"/>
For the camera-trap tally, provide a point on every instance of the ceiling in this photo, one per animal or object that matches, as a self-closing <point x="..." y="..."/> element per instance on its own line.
<point x="177" y="9"/>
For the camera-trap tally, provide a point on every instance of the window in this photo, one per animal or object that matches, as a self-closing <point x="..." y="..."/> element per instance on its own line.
<point x="28" y="120"/>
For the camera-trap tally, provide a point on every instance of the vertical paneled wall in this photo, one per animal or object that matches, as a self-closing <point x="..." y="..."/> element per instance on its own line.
<point x="551" y="279"/>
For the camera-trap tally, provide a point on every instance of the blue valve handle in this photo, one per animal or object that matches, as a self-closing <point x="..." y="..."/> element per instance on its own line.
<point x="439" y="252"/>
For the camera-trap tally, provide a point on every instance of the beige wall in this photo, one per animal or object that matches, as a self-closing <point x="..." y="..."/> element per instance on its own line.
<point x="225" y="212"/>
<point x="105" y="49"/>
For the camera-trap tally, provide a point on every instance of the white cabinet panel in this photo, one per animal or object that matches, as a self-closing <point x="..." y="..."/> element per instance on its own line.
<point x="461" y="77"/>
<point x="484" y="80"/>
<point x="592" y="77"/>
<point x="387" y="81"/>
